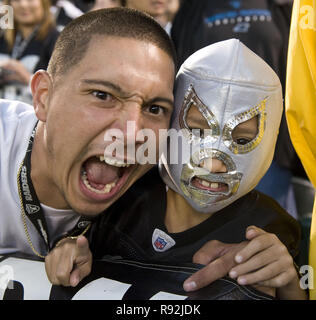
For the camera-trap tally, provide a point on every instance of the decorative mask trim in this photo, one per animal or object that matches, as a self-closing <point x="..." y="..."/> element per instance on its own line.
<point x="191" y="98"/>
<point x="260" y="111"/>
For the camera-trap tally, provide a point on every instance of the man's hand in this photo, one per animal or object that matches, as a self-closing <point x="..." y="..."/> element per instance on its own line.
<point x="219" y="259"/>
<point x="69" y="262"/>
<point x="265" y="261"/>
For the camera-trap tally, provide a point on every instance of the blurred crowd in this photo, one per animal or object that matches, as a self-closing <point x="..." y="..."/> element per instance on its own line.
<point x="262" y="25"/>
<point x="28" y="46"/>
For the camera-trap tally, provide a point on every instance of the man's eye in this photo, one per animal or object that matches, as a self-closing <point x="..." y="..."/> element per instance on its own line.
<point x="154" y="109"/>
<point x="101" y="95"/>
<point x="242" y="141"/>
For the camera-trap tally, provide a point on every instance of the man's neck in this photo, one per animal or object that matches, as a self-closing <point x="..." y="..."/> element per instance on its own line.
<point x="45" y="188"/>
<point x="180" y="216"/>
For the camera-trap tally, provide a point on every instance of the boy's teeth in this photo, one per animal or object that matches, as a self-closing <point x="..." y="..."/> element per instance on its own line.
<point x="105" y="190"/>
<point x="205" y="183"/>
<point x="113" y="162"/>
<point x="213" y="185"/>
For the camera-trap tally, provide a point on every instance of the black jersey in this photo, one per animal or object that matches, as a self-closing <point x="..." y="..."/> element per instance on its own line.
<point x="133" y="227"/>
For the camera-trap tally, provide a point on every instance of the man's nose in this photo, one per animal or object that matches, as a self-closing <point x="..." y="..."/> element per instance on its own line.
<point x="132" y="123"/>
<point x="213" y="165"/>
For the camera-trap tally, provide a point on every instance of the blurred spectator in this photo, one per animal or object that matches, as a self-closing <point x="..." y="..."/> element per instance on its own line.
<point x="99" y="4"/>
<point x="158" y="9"/>
<point x="64" y="11"/>
<point x="263" y="26"/>
<point x="26" y="48"/>
<point x="172" y="8"/>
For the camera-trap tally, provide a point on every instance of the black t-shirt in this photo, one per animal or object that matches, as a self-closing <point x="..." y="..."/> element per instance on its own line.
<point x="127" y="227"/>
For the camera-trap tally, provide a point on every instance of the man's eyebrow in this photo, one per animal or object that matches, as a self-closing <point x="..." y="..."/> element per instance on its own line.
<point x="120" y="91"/>
<point x="107" y="84"/>
<point x="159" y="100"/>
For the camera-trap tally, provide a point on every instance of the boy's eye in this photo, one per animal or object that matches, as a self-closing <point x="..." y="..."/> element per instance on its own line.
<point x="242" y="141"/>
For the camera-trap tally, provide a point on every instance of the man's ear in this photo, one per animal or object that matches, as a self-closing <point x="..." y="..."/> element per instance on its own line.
<point x="41" y="86"/>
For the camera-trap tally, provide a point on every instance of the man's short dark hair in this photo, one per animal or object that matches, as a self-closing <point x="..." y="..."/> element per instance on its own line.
<point x="74" y="40"/>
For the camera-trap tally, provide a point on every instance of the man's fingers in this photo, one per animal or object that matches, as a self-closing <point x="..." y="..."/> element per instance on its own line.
<point x="79" y="272"/>
<point x="82" y="244"/>
<point x="210" y="251"/>
<point x="281" y="280"/>
<point x="256" y="245"/>
<point x="59" y="263"/>
<point x="74" y="278"/>
<point x="270" y="274"/>
<point x="259" y="260"/>
<point x="64" y="267"/>
<point x="214" y="270"/>
<point x="253" y="231"/>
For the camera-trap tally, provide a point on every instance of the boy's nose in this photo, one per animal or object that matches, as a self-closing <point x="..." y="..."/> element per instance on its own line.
<point x="213" y="165"/>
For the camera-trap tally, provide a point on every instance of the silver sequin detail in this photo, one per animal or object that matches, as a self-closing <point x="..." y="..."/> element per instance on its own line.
<point x="192" y="99"/>
<point x="260" y="111"/>
<point x="204" y="197"/>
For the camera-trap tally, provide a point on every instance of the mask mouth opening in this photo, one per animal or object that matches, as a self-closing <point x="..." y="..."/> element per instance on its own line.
<point x="210" y="186"/>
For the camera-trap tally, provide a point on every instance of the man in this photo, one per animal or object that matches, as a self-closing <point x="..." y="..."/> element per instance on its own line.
<point x="101" y="75"/>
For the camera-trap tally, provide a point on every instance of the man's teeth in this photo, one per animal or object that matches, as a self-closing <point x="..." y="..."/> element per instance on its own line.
<point x="114" y="162"/>
<point x="108" y="187"/>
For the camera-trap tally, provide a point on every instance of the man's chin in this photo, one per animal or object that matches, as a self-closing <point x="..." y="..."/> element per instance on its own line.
<point x="91" y="211"/>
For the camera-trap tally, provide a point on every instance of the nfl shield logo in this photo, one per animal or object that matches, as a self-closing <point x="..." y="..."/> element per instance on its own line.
<point x="160" y="243"/>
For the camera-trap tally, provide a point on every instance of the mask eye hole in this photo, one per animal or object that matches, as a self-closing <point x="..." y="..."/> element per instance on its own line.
<point x="245" y="131"/>
<point x="197" y="117"/>
<point x="196" y="122"/>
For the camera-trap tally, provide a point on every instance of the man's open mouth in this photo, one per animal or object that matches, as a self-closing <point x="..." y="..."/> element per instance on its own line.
<point x="207" y="185"/>
<point x="102" y="177"/>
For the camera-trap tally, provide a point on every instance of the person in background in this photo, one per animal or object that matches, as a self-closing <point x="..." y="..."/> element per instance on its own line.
<point x="100" y="4"/>
<point x="26" y="48"/>
<point x="64" y="12"/>
<point x="156" y="8"/>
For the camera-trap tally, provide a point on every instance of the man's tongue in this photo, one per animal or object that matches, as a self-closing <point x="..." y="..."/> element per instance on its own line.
<point x="99" y="173"/>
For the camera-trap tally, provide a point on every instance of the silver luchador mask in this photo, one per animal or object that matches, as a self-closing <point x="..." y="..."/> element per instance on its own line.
<point x="228" y="85"/>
